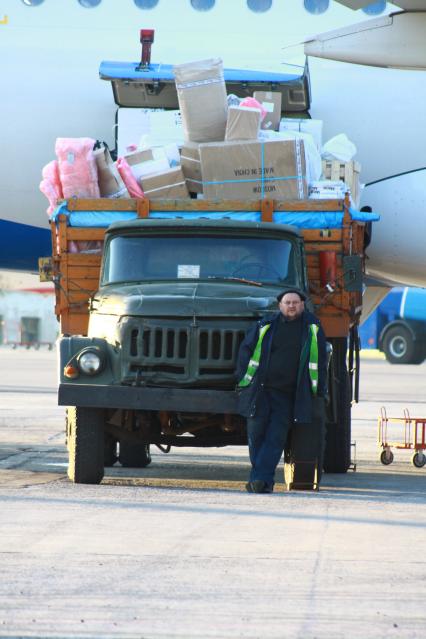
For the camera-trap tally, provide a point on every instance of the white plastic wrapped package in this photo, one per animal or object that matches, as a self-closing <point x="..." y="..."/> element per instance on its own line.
<point x="327" y="190"/>
<point x="304" y="125"/>
<point x="146" y="128"/>
<point x="339" y="148"/>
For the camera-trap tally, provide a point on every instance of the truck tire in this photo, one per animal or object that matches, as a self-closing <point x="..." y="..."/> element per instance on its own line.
<point x="85" y="429"/>
<point x="399" y="347"/>
<point x="134" y="455"/>
<point x="337" y="456"/>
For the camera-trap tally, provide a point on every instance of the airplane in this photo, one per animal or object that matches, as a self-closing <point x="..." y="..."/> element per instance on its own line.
<point x="51" y="51"/>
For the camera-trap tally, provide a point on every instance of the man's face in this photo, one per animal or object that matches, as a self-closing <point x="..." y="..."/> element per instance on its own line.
<point x="291" y="306"/>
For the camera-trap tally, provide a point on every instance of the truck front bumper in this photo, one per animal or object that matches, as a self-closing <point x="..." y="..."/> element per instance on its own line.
<point x="182" y="400"/>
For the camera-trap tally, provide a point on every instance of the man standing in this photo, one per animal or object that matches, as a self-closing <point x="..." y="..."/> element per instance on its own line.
<point x="282" y="366"/>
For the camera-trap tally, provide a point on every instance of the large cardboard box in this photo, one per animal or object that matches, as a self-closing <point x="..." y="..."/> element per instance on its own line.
<point x="202" y="99"/>
<point x="252" y="170"/>
<point x="167" y="185"/>
<point x="243" y="123"/>
<point x="271" y="102"/>
<point x="191" y="166"/>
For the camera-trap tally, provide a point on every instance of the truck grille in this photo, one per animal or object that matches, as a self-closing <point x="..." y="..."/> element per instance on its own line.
<point x="153" y="351"/>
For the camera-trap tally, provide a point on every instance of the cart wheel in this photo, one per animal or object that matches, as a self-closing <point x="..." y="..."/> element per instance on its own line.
<point x="386" y="457"/>
<point x="419" y="460"/>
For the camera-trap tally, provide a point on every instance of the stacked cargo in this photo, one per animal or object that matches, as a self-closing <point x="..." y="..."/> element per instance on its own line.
<point x="216" y="146"/>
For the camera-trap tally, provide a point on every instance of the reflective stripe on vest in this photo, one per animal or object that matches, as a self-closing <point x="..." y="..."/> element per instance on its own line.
<point x="313" y="358"/>
<point x="253" y="364"/>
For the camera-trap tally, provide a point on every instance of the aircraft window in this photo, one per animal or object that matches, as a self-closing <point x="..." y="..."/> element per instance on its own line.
<point x="259" y="6"/>
<point x="32" y="3"/>
<point x="316" y="6"/>
<point x="88" y="4"/>
<point x="203" y="5"/>
<point x="145" y="4"/>
<point x="375" y="8"/>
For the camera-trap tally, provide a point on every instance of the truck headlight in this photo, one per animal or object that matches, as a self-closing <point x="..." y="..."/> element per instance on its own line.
<point x="90" y="362"/>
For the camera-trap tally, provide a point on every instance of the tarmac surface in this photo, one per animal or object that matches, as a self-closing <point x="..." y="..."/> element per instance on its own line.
<point x="179" y="549"/>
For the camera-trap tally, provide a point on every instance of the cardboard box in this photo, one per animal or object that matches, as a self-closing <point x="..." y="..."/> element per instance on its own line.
<point x="167" y="185"/>
<point x="243" y="123"/>
<point x="271" y="101"/>
<point x="191" y="166"/>
<point x="202" y="99"/>
<point x="109" y="180"/>
<point x="252" y="170"/>
<point x="147" y="162"/>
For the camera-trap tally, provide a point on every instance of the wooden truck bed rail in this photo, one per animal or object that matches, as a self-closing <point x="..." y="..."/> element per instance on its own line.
<point x="76" y="274"/>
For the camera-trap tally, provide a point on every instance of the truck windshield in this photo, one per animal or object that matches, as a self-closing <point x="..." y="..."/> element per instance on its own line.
<point x="198" y="257"/>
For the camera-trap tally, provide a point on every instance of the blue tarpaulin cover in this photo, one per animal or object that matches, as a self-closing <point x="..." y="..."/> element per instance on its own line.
<point x="300" y="219"/>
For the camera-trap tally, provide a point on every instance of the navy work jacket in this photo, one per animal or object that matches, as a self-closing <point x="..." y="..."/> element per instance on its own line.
<point x="247" y="396"/>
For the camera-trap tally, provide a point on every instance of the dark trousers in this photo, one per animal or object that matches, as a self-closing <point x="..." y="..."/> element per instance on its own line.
<point x="267" y="433"/>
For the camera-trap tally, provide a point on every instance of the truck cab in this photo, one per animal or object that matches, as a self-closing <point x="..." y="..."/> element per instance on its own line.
<point x="165" y="325"/>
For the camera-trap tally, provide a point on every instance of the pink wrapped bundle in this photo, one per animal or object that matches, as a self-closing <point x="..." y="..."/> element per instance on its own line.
<point x="252" y="102"/>
<point x="128" y="178"/>
<point x="51" y="186"/>
<point x="77" y="167"/>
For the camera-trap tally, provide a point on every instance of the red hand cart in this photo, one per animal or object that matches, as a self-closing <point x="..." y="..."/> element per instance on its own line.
<point x="414" y="437"/>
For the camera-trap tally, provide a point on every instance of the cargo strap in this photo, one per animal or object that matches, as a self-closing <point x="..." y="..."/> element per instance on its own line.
<point x="253" y="364"/>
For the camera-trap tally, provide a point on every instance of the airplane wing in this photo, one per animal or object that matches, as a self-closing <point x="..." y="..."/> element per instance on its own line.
<point x="407" y="5"/>
<point x="396" y="40"/>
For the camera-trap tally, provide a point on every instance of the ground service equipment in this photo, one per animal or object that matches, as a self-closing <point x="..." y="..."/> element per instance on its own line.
<point x="413" y="431"/>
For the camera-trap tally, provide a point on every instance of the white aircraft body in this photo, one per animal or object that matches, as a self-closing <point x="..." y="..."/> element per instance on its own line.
<point x="50" y="52"/>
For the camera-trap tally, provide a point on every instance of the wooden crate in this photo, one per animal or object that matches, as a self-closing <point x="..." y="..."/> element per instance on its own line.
<point x="347" y="172"/>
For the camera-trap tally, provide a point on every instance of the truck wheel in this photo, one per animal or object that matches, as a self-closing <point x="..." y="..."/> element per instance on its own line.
<point x="85" y="444"/>
<point x="110" y="450"/>
<point x="337" y="456"/>
<point x="134" y="455"/>
<point x="399" y="347"/>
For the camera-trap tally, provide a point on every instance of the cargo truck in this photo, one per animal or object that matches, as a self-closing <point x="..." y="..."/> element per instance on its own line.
<point x="154" y="297"/>
<point x="152" y="324"/>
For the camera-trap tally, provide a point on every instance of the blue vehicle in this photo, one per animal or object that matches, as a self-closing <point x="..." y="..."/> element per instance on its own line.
<point x="398" y="326"/>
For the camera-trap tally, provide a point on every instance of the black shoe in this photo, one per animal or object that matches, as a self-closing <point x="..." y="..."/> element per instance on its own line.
<point x="259" y="486"/>
<point x="268" y="488"/>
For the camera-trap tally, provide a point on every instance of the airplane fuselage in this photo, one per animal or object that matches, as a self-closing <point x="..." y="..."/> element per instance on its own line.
<point x="50" y="56"/>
